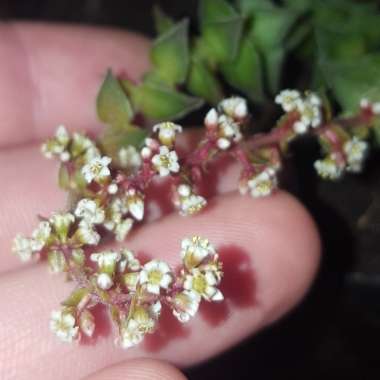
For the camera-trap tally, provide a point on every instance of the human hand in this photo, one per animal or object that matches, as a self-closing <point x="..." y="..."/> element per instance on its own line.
<point x="270" y="248"/>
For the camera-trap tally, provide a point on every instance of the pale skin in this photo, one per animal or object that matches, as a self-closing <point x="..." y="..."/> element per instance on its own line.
<point x="50" y="75"/>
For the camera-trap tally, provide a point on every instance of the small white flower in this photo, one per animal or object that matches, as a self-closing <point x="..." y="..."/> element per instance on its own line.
<point x="61" y="224"/>
<point x="287" y="99"/>
<point x="211" y="118"/>
<point x="186" y="305"/>
<point x="128" y="260"/>
<point x="106" y="260"/>
<point x="356" y="151"/>
<point x="146" y="153"/>
<point x="104" y="281"/>
<point x="57" y="145"/>
<point x="235" y="107"/>
<point x="167" y="132"/>
<point x="364" y="103"/>
<point x="192" y="204"/>
<point x="135" y="204"/>
<point x="204" y="284"/>
<point x="223" y="143"/>
<point x="61" y="135"/>
<point x="88" y="211"/>
<point x="129" y="157"/>
<point x="376" y="108"/>
<point x="130" y="334"/>
<point x="195" y="250"/>
<point x="156" y="274"/>
<point x="146" y="317"/>
<point x="41" y="235"/>
<point x="63" y="325"/>
<point x="87" y="234"/>
<point x="229" y="129"/>
<point x="300" y="128"/>
<point x="263" y="184"/>
<point x="82" y="144"/>
<point x="166" y="161"/>
<point x="97" y="169"/>
<point x="22" y="246"/>
<point x="122" y="229"/>
<point x="112" y="189"/>
<point x="329" y="167"/>
<point x="184" y="190"/>
<point x="310" y="110"/>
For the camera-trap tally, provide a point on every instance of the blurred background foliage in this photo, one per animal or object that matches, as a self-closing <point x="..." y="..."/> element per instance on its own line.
<point x="332" y="46"/>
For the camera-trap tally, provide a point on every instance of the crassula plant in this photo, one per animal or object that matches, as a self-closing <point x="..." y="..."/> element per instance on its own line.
<point x="107" y="176"/>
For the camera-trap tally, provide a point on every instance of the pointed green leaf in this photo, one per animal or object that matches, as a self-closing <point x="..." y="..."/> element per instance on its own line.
<point x="170" y="54"/>
<point x="249" y="7"/>
<point x="115" y="138"/>
<point x="221" y="27"/>
<point x="162" y="21"/>
<point x="113" y="106"/>
<point x="203" y="83"/>
<point x="245" y="72"/>
<point x="159" y="102"/>
<point x="353" y="80"/>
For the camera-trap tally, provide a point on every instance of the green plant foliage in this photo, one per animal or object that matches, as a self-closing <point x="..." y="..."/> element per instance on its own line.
<point x="269" y="29"/>
<point x="353" y="80"/>
<point x="113" y="106"/>
<point x="114" y="138"/>
<point x="347" y="41"/>
<point x="221" y="28"/>
<point x="162" y="21"/>
<point x="160" y="102"/>
<point x="245" y="71"/>
<point x="203" y="83"/>
<point x="170" y="54"/>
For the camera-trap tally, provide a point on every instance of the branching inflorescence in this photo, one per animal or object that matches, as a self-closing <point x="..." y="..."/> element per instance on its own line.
<point x="108" y="197"/>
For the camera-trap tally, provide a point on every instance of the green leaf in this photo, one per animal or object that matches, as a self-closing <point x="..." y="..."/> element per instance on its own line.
<point x="249" y="7"/>
<point x="203" y="83"/>
<point x="270" y="27"/>
<point x="75" y="297"/>
<point x="352" y="80"/>
<point x="245" y="71"/>
<point x="170" y="54"/>
<point x="162" y="21"/>
<point x="115" y="138"/>
<point x="113" y="106"/>
<point x="221" y="27"/>
<point x="159" y="102"/>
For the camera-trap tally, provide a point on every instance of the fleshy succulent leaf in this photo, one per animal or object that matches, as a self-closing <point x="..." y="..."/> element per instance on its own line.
<point x="170" y="54"/>
<point x="113" y="106"/>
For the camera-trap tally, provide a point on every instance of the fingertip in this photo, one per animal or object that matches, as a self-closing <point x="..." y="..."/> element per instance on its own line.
<point x="139" y="369"/>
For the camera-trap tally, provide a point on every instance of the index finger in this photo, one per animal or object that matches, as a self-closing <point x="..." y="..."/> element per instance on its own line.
<point x="51" y="75"/>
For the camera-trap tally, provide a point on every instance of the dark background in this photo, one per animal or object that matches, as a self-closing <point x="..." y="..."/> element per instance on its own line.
<point x="335" y="332"/>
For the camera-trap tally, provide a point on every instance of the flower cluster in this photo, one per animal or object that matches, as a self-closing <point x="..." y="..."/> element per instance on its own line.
<point x="134" y="293"/>
<point x="108" y="194"/>
<point x="225" y="121"/>
<point x="307" y="109"/>
<point x="348" y="158"/>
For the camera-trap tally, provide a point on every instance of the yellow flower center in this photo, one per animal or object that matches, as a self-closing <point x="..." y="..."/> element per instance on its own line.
<point x="199" y="284"/>
<point x="155" y="277"/>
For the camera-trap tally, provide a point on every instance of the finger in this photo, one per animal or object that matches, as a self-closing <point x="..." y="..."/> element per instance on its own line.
<point x="270" y="250"/>
<point x="52" y="73"/>
<point x="30" y="189"/>
<point x="139" y="369"/>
